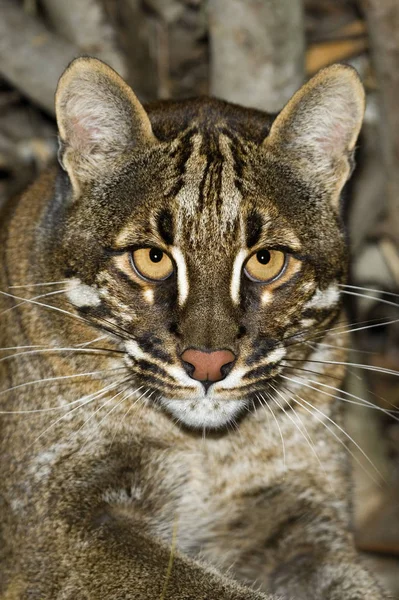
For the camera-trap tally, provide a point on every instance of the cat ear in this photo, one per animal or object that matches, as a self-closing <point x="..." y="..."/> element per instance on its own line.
<point x="99" y="120"/>
<point x="318" y="128"/>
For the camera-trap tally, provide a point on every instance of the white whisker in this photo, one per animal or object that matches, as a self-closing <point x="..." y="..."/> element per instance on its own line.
<point x="119" y="403"/>
<point x="367" y="289"/>
<point x="49" y="306"/>
<point x="130" y="408"/>
<point x="97" y="339"/>
<point x="58" y="378"/>
<point x="108" y="325"/>
<point x="338" y="330"/>
<point x="28" y="285"/>
<point x="90" y="399"/>
<point x="25" y="300"/>
<point x="9" y="348"/>
<point x="304" y="433"/>
<point x="314" y="347"/>
<point x="101" y="351"/>
<point x="347" y="330"/>
<point x="314" y="408"/>
<point x="382" y="300"/>
<point x="358" y="401"/>
<point x="265" y="403"/>
<point x="349" y="364"/>
<point x="53" y="408"/>
<point x="100" y="408"/>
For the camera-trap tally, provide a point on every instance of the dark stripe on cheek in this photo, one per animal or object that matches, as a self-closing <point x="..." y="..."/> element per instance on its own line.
<point x="261" y="350"/>
<point x="150" y="345"/>
<point x="259" y="372"/>
<point x="165" y="226"/>
<point x="149" y="367"/>
<point x="254" y="228"/>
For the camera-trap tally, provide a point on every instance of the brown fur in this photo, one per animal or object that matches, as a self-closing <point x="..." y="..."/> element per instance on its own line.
<point x="92" y="492"/>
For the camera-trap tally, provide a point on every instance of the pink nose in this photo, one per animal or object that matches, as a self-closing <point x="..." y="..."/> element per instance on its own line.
<point x="208" y="365"/>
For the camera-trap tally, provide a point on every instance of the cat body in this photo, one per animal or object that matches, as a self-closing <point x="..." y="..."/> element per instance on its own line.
<point x="134" y="476"/>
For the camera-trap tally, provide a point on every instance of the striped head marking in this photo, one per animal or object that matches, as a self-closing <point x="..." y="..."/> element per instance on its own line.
<point x="204" y="238"/>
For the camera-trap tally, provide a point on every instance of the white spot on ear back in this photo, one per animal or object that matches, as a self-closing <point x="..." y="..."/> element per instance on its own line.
<point x="182" y="279"/>
<point x="81" y="294"/>
<point x="236" y="276"/>
<point x="324" y="298"/>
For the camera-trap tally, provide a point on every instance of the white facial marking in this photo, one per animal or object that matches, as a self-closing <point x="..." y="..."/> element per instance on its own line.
<point x="307" y="322"/>
<point x="324" y="299"/>
<point x="208" y="412"/>
<point x="183" y="378"/>
<point x="43" y="464"/>
<point x="134" y="349"/>
<point x="236" y="276"/>
<point x="232" y="380"/>
<point x="182" y="279"/>
<point x="149" y="295"/>
<point x="275" y="355"/>
<point x="81" y="294"/>
<point x="266" y="297"/>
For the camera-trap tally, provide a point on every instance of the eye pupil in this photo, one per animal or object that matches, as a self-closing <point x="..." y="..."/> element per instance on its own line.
<point x="156" y="255"/>
<point x="263" y="256"/>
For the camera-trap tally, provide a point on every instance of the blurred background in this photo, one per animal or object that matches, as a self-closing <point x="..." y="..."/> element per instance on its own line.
<point x="257" y="53"/>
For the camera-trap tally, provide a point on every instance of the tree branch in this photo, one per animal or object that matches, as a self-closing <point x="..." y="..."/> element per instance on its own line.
<point x="257" y="50"/>
<point x="31" y="57"/>
<point x="383" y="22"/>
<point x="85" y="24"/>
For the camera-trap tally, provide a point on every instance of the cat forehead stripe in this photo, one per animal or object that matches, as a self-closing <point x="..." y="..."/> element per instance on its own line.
<point x="230" y="196"/>
<point x="194" y="168"/>
<point x="203" y="172"/>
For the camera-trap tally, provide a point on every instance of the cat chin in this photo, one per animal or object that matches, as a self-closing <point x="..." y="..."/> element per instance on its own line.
<point x="206" y="412"/>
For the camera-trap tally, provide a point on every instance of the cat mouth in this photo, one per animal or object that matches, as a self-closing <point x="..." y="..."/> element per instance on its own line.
<point x="206" y="412"/>
<point x="204" y="404"/>
<point x="209" y="404"/>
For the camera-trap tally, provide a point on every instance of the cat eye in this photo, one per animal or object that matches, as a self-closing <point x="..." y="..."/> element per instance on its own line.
<point x="151" y="264"/>
<point x="265" y="266"/>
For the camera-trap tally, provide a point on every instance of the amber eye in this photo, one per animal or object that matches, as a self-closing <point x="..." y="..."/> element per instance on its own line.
<point x="152" y="264"/>
<point x="265" y="266"/>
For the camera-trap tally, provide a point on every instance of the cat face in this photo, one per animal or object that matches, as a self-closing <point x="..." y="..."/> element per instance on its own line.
<point x="205" y="236"/>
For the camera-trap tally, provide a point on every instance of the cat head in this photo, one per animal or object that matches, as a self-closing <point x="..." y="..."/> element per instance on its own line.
<point x="204" y="237"/>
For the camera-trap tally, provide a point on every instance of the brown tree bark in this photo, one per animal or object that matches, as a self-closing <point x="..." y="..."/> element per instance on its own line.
<point x="383" y="23"/>
<point x="31" y="57"/>
<point x="165" y="42"/>
<point x="85" y="24"/>
<point x="257" y="51"/>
